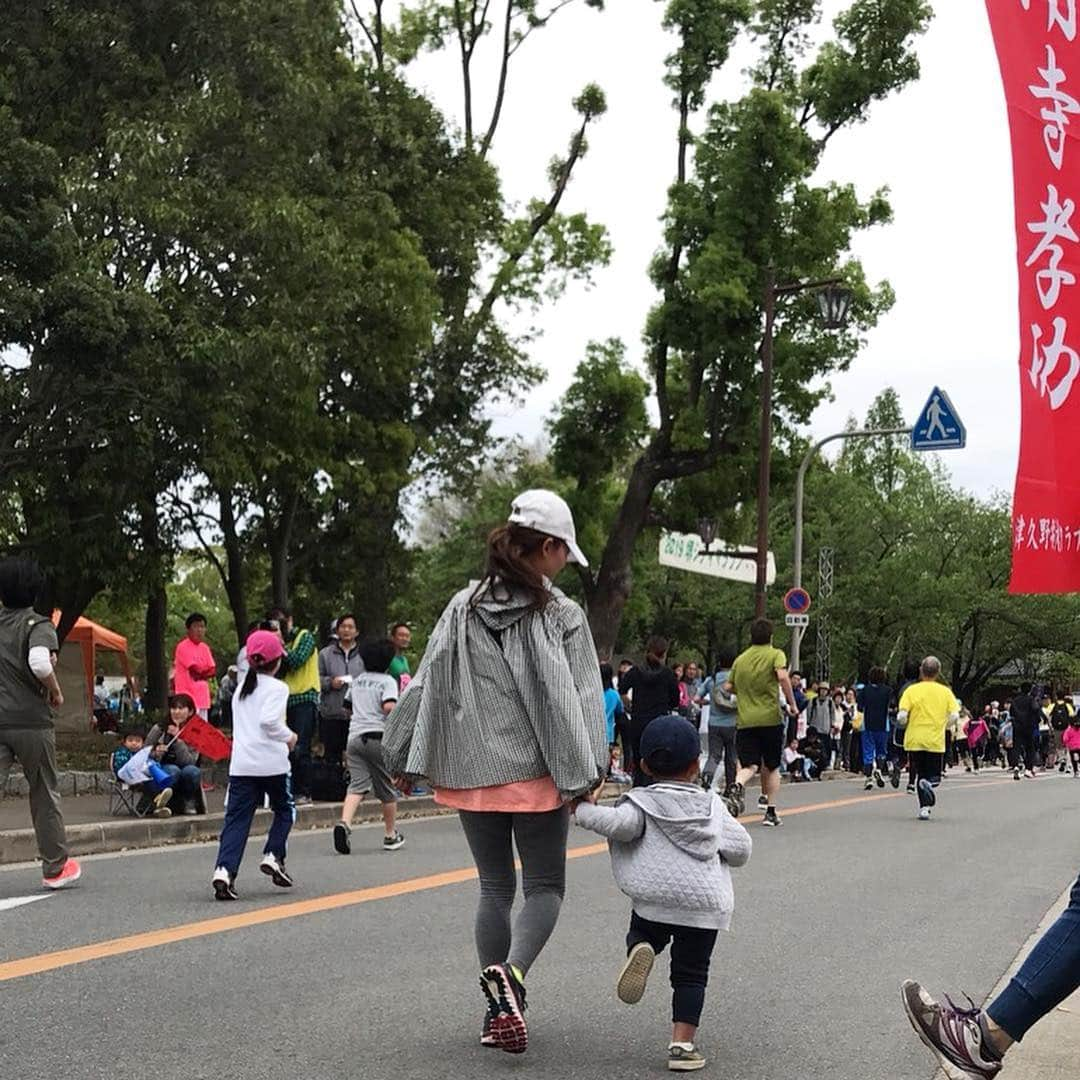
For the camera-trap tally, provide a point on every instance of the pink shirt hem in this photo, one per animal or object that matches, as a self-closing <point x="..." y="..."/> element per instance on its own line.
<point x="522" y="797"/>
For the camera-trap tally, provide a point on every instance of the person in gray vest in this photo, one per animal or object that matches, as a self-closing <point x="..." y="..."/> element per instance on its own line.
<point x="821" y="715"/>
<point x="339" y="664"/>
<point x="29" y="691"/>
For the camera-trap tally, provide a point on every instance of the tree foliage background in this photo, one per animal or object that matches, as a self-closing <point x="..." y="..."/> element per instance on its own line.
<point x="256" y="292"/>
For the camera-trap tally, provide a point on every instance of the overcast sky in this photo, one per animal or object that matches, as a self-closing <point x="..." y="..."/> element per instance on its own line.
<point x="941" y="147"/>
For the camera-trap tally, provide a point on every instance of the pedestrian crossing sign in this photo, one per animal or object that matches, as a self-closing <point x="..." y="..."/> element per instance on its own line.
<point x="938" y="426"/>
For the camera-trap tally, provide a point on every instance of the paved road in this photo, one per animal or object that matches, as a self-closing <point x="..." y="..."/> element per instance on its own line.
<point x="832" y="911"/>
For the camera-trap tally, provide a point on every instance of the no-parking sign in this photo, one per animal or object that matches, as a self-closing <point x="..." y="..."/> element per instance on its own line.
<point x="796" y="601"/>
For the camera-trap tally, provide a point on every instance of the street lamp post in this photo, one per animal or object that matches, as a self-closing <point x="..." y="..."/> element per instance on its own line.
<point x="834" y="302"/>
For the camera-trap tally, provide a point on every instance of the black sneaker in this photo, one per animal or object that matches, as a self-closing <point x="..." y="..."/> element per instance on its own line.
<point x="506" y="1000"/>
<point x="911" y="789"/>
<point x="771" y="817"/>
<point x="894" y="777"/>
<point x="392" y="843"/>
<point x="955" y="1035"/>
<point x="763" y="800"/>
<point x="926" y="794"/>
<point x="878" y="778"/>
<point x="275" y="871"/>
<point x="869" y="785"/>
<point x="341" y="839"/>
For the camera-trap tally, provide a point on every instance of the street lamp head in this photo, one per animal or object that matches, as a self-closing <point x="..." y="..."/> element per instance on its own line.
<point x="707" y="531"/>
<point x="835" y="303"/>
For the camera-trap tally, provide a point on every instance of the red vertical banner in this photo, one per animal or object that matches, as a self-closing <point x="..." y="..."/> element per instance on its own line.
<point x="1039" y="54"/>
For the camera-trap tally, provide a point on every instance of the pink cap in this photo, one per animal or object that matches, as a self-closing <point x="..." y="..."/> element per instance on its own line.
<point x="264" y="645"/>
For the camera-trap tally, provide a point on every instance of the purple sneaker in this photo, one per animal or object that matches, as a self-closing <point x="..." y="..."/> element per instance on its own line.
<point x="955" y="1035"/>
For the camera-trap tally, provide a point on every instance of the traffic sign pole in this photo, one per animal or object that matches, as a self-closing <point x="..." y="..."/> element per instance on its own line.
<point x="800" y="486"/>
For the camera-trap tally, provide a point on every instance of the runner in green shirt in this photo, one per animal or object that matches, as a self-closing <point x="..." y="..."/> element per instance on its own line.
<point x="758" y="676"/>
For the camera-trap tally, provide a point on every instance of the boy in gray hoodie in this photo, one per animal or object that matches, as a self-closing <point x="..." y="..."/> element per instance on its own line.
<point x="671" y="848"/>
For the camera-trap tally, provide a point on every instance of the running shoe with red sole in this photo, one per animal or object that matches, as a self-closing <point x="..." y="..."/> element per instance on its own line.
<point x="69" y="873"/>
<point x="954" y="1034"/>
<point x="506" y="998"/>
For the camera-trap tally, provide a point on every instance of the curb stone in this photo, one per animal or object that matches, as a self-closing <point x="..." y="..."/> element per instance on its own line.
<point x="93" y="838"/>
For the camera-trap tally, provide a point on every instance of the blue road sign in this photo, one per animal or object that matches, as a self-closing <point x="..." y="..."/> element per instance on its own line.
<point x="938" y="426"/>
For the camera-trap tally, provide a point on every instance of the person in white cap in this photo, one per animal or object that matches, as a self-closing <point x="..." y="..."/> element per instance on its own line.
<point x="505" y="716"/>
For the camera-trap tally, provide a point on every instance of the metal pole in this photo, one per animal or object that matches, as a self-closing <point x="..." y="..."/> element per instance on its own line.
<point x="765" y="447"/>
<point x="800" y="484"/>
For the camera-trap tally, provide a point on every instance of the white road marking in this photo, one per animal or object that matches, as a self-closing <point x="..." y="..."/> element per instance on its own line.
<point x="18" y="901"/>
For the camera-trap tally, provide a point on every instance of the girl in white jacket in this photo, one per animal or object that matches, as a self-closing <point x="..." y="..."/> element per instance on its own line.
<point x="259" y="767"/>
<point x="671" y="848"/>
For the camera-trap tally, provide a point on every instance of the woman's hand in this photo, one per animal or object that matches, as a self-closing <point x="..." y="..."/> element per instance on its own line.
<point x="402" y="783"/>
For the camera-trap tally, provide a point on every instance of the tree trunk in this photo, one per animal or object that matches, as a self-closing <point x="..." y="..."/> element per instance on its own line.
<point x="615" y="577"/>
<point x="157" y="606"/>
<point x="280" y="541"/>
<point x="235" y="580"/>
<point x="373" y="582"/>
<point x="157" y="661"/>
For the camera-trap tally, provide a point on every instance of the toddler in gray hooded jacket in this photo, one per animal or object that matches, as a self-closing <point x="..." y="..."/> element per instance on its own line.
<point x="672" y="844"/>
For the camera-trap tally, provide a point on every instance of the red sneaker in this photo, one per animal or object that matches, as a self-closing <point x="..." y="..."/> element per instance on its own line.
<point x="69" y="874"/>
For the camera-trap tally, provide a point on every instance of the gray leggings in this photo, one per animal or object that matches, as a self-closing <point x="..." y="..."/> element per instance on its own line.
<point x="541" y="843"/>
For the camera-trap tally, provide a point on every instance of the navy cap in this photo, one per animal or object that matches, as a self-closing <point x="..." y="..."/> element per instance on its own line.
<point x="669" y="744"/>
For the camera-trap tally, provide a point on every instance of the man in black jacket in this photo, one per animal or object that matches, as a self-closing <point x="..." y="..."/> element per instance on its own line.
<point x="1025" y="717"/>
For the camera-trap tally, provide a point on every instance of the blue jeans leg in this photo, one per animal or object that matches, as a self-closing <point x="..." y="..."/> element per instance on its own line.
<point x="185" y="779"/>
<point x="1047" y="977"/>
<point x="245" y="794"/>
<point x="279" y="788"/>
<point x="190" y="780"/>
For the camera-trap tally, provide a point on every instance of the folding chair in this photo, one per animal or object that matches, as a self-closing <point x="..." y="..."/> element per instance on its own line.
<point x="123" y="799"/>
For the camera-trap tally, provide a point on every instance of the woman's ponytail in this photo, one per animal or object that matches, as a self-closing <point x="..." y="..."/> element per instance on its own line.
<point x="509" y="548"/>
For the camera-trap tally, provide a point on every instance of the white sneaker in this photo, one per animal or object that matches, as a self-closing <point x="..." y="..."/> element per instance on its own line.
<point x="924" y="813"/>
<point x="223" y="885"/>
<point x="275" y="871"/>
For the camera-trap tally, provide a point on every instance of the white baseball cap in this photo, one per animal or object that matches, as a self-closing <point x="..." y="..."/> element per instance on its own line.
<point x="546" y="512"/>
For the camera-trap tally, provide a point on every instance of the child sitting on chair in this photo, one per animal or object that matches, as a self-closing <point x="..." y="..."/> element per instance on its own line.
<point x="152" y="794"/>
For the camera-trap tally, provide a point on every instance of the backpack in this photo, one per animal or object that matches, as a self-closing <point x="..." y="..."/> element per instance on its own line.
<point x="719" y="697"/>
<point x="1059" y="716"/>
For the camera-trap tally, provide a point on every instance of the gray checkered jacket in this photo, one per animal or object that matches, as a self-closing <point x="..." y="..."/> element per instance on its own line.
<point x="503" y="693"/>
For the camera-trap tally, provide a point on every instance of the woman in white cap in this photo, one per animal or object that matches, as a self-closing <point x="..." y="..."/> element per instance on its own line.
<point x="505" y="716"/>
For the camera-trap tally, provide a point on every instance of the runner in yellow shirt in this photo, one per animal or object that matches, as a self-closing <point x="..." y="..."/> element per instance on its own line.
<point x="926" y="708"/>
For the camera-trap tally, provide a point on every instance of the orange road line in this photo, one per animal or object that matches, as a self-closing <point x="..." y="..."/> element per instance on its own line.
<point x="151" y="939"/>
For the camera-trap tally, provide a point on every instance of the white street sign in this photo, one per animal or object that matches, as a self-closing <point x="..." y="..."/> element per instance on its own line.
<point x="685" y="551"/>
<point x="798" y="620"/>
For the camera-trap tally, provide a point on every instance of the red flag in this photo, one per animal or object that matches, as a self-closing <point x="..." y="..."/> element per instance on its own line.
<point x="206" y="739"/>
<point x="1039" y="55"/>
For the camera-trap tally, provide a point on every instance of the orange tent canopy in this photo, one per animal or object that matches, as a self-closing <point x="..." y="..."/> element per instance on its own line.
<point x="90" y="637"/>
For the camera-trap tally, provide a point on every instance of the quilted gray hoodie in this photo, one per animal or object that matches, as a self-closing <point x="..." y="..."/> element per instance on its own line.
<point x="671" y="848"/>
